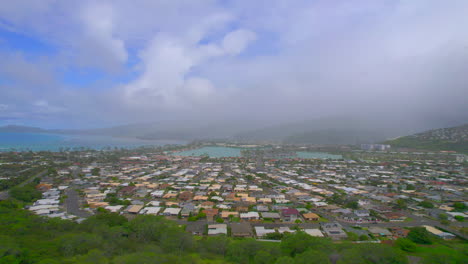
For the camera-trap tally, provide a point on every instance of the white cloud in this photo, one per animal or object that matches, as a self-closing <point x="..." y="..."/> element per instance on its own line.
<point x="99" y="45"/>
<point x="167" y="63"/>
<point x="41" y="103"/>
<point x="235" y="42"/>
<point x="305" y="56"/>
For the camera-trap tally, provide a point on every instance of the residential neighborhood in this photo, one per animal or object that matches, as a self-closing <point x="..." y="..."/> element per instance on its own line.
<point x="245" y="197"/>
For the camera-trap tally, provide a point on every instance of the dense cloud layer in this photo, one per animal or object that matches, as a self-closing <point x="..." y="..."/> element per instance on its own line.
<point x="99" y="63"/>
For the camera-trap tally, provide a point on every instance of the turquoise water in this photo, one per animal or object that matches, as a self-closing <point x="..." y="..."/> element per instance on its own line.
<point x="214" y="152"/>
<point x="223" y="152"/>
<point x="51" y="142"/>
<point x="317" y="155"/>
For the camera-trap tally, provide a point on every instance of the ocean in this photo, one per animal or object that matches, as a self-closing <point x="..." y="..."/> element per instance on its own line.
<point x="54" y="142"/>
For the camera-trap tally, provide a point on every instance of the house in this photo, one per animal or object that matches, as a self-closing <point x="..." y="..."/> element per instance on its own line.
<point x="261" y="231"/>
<point x="399" y="232"/>
<point x="285" y="229"/>
<point x="311" y="217"/>
<point x="262" y="208"/>
<point x="290" y="214"/>
<point x="394" y="216"/>
<point x="158" y="193"/>
<point x="187" y="210"/>
<point x="200" y="198"/>
<point x="207" y="204"/>
<point x="127" y="190"/>
<point x="270" y="215"/>
<point x="185" y="196"/>
<point x="195" y="228"/>
<point x="134" y="209"/>
<point x="114" y="209"/>
<point x="362" y="213"/>
<point x="151" y="210"/>
<point x="241" y="230"/>
<point x="217" y="229"/>
<point x="437" y="232"/>
<point x="250" y="216"/>
<point x="314" y="232"/>
<point x="333" y="230"/>
<point x="210" y="213"/>
<point x="241" y="208"/>
<point x="227" y="214"/>
<point x="171" y="211"/>
<point x="379" y="231"/>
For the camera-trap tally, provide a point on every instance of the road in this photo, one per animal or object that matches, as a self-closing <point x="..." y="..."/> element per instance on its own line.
<point x="73" y="203"/>
<point x="6" y="194"/>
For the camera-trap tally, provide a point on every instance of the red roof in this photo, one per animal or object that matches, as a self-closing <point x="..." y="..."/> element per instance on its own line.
<point x="290" y="211"/>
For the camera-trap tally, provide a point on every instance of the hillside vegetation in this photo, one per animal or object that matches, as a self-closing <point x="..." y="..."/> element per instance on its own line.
<point x="444" y="139"/>
<point x="111" y="238"/>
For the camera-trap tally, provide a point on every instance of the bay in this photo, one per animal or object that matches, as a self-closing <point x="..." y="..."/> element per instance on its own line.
<point x="55" y="142"/>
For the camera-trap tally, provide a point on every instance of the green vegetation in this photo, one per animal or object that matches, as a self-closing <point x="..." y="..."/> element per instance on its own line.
<point x="352" y="205"/>
<point x="96" y="171"/>
<point x="420" y="235"/>
<point x="426" y="204"/>
<point x="16" y="174"/>
<point x="25" y="193"/>
<point x="112" y="238"/>
<point x="436" y="140"/>
<point x="112" y="199"/>
<point x="459" y="206"/>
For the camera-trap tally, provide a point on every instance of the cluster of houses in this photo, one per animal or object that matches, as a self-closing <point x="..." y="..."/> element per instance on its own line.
<point x="238" y="195"/>
<point x="49" y="205"/>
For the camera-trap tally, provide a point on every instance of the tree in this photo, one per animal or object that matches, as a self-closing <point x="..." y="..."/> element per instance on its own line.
<point x="215" y="244"/>
<point x="426" y="204"/>
<point x="459" y="218"/>
<point x="352" y="205"/>
<point x="243" y="251"/>
<point x="274" y="236"/>
<point x="106" y="218"/>
<point x="405" y="244"/>
<point x="444" y="258"/>
<point x="264" y="257"/>
<point x="420" y="235"/>
<point x="459" y="206"/>
<point x="25" y="193"/>
<point x="299" y="242"/>
<point x="352" y="236"/>
<point x="311" y="255"/>
<point x="77" y="244"/>
<point x="96" y="171"/>
<point x="443" y="216"/>
<point x="372" y="253"/>
<point x="401" y="204"/>
<point x="285" y="260"/>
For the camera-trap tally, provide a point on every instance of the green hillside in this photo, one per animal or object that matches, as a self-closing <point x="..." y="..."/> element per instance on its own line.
<point x="108" y="238"/>
<point x="444" y="139"/>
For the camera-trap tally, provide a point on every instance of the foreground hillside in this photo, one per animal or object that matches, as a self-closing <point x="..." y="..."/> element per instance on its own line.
<point x="444" y="139"/>
<point x="111" y="238"/>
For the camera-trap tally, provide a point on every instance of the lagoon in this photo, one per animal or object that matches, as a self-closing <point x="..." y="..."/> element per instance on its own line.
<point x="224" y="152"/>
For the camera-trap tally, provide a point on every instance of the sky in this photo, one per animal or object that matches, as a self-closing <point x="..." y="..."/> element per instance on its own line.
<point x="98" y="63"/>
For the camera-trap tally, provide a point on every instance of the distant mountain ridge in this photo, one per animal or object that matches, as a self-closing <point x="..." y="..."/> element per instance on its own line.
<point x="448" y="139"/>
<point x="335" y="131"/>
<point x="327" y="131"/>
<point x="21" y="129"/>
